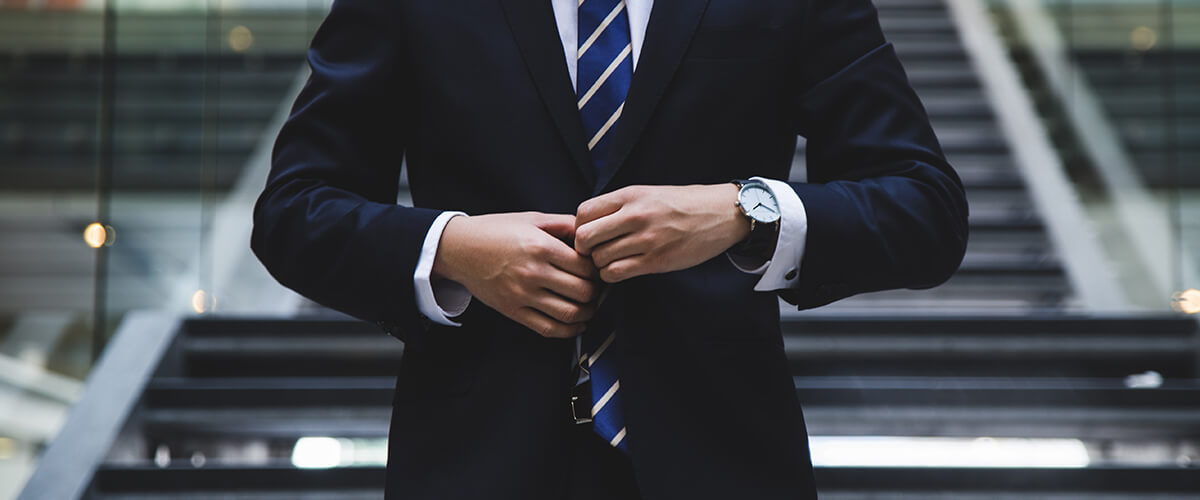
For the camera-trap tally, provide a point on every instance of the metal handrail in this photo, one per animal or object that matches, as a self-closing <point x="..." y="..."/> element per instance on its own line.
<point x="110" y="394"/>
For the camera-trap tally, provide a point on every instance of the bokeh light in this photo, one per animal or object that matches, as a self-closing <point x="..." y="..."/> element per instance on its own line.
<point x="1143" y="38"/>
<point x="1187" y="301"/>
<point x="203" y="302"/>
<point x="240" y="38"/>
<point x="98" y="235"/>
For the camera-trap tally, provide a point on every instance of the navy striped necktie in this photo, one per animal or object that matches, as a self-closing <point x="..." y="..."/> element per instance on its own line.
<point x="604" y="71"/>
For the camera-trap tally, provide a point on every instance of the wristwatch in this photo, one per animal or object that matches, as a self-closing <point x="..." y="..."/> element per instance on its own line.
<point x="758" y="204"/>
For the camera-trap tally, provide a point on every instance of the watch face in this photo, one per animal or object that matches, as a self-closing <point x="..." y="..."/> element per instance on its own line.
<point x="759" y="203"/>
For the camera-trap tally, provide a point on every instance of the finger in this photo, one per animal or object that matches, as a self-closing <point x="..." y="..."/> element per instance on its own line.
<point x="601" y="206"/>
<point x="561" y="226"/>
<point x="596" y="232"/>
<point x="624" y="269"/>
<point x="546" y="326"/>
<point x="571" y="286"/>
<point x="617" y="249"/>
<point x="562" y="310"/>
<point x="565" y="258"/>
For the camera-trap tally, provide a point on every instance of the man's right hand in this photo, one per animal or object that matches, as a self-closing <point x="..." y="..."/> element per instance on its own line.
<point x="522" y="265"/>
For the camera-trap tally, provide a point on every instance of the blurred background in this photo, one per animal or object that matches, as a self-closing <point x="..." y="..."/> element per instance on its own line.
<point x="144" y="352"/>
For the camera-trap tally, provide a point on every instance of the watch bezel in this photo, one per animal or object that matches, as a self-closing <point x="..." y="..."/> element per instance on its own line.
<point x="757" y="184"/>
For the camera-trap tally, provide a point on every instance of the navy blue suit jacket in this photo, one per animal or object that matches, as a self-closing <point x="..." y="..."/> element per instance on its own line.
<point x="476" y="95"/>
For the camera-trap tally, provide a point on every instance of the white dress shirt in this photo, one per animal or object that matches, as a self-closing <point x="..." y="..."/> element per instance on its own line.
<point x="443" y="300"/>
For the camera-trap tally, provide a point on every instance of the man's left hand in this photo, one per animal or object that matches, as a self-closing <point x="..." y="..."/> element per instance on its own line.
<point x="641" y="230"/>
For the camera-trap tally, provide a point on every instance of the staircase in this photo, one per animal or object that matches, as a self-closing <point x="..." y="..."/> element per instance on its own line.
<point x="223" y="409"/>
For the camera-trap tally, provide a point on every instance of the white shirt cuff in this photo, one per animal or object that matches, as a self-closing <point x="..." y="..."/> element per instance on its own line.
<point x="443" y="299"/>
<point x="783" y="270"/>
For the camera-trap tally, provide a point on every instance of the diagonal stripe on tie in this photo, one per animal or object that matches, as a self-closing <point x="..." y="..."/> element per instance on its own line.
<point x="604" y="71"/>
<point x="612" y="67"/>
<point x="616" y="440"/>
<point x="583" y="48"/>
<point x="608" y="395"/>
<point x="600" y="350"/>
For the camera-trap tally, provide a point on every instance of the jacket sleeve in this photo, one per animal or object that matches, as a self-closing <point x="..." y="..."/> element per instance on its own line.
<point x="327" y="224"/>
<point x="885" y="209"/>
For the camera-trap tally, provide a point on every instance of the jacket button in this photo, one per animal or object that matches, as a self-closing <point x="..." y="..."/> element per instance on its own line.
<point x="791" y="275"/>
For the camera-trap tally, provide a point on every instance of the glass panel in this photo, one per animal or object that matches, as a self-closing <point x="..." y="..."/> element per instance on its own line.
<point x="50" y="89"/>
<point x="1140" y="57"/>
<point x="198" y="85"/>
<point x="124" y="128"/>
<point x="1119" y="82"/>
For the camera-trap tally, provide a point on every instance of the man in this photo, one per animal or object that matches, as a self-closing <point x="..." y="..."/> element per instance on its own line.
<point x="586" y="295"/>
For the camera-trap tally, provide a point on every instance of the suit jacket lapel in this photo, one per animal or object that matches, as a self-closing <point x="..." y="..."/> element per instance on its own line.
<point x="671" y="26"/>
<point x="536" y="32"/>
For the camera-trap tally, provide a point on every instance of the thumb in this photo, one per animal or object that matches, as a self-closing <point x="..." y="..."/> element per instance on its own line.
<point x="561" y="226"/>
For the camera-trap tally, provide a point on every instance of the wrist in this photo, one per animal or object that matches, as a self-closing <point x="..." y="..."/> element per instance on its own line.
<point x="446" y="259"/>
<point x="736" y="222"/>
